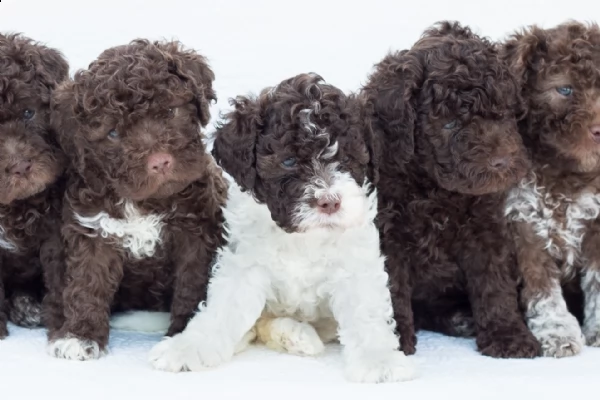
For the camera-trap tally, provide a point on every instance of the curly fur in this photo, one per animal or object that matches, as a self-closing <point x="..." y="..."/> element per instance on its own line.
<point x="30" y="199"/>
<point x="555" y="210"/>
<point x="303" y="270"/>
<point x="445" y="115"/>
<point x="138" y="237"/>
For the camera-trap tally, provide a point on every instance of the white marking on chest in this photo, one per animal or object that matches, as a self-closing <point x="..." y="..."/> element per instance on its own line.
<point x="554" y="216"/>
<point x="140" y="234"/>
<point x="5" y="243"/>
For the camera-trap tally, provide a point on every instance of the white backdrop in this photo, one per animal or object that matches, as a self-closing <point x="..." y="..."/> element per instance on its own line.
<point x="256" y="43"/>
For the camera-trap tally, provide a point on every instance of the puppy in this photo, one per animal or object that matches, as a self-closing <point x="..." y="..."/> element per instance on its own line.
<point x="302" y="250"/>
<point x="555" y="210"/>
<point x="142" y="215"/>
<point x="31" y="165"/>
<point x="444" y="113"/>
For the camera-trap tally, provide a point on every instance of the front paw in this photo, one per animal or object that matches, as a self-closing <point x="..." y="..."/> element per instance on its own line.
<point x="380" y="367"/>
<point x="559" y="338"/>
<point x="291" y="336"/>
<point x="72" y="348"/>
<point x="184" y="352"/>
<point x="518" y="343"/>
<point x="592" y="335"/>
<point x="408" y="343"/>
<point x="3" y="330"/>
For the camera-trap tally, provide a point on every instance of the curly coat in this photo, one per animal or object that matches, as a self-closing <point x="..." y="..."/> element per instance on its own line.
<point x="142" y="215"/>
<point x="31" y="165"/>
<point x="555" y="210"/>
<point x="445" y="115"/>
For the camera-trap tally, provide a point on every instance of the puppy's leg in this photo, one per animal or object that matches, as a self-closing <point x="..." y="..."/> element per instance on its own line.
<point x="52" y="258"/>
<point x="236" y="298"/>
<point x="288" y="335"/>
<point x="362" y="306"/>
<point x="546" y="313"/>
<point x="94" y="271"/>
<point x="3" y="316"/>
<point x="590" y="284"/>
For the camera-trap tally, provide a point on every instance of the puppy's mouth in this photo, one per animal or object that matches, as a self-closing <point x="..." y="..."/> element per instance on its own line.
<point x="27" y="177"/>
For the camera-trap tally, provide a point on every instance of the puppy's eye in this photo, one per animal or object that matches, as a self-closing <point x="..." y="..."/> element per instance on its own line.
<point x="28" y="114"/>
<point x="171" y="112"/>
<point x="113" y="134"/>
<point x="565" y="90"/>
<point x="451" y="125"/>
<point x="289" y="162"/>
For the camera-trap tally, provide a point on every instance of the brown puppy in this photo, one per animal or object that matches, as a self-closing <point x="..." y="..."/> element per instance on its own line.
<point x="142" y="216"/>
<point x="31" y="164"/>
<point x="555" y="209"/>
<point x="445" y="113"/>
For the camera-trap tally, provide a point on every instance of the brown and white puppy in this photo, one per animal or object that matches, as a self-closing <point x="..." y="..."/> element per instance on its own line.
<point x="31" y="165"/>
<point x="142" y="215"/>
<point x="555" y="210"/>
<point x="445" y="114"/>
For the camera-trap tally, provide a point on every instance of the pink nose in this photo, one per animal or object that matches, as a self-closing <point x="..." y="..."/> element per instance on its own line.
<point x="21" y="168"/>
<point x="499" y="162"/>
<point x="595" y="132"/>
<point x="160" y="163"/>
<point x="329" y="206"/>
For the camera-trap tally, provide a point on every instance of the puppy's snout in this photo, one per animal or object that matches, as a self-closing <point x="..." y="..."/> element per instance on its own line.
<point x="160" y="163"/>
<point x="595" y="132"/>
<point x="329" y="206"/>
<point x="21" y="168"/>
<point x="499" y="162"/>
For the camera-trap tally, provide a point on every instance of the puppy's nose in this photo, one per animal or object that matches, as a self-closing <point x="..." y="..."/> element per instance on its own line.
<point x="160" y="163"/>
<point x="21" y="168"/>
<point x="595" y="132"/>
<point x="499" y="162"/>
<point x="329" y="206"/>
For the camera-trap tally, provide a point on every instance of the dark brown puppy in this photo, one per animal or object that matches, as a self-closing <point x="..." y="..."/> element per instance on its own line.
<point x="31" y="165"/>
<point x="556" y="209"/>
<point x="445" y="112"/>
<point x="142" y="217"/>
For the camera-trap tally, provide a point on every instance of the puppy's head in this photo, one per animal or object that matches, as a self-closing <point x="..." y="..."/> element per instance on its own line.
<point x="448" y="105"/>
<point x="131" y="121"/>
<point x="559" y="70"/>
<point x="301" y="149"/>
<point x="30" y="159"/>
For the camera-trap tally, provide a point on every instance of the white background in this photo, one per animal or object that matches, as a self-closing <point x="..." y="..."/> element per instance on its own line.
<point x="256" y="43"/>
<point x="252" y="44"/>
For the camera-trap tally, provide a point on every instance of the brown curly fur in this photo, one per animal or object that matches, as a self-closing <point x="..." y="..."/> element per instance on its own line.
<point x="255" y="139"/>
<point x="155" y="96"/>
<point x="442" y="188"/>
<point x="29" y="202"/>
<point x="565" y="153"/>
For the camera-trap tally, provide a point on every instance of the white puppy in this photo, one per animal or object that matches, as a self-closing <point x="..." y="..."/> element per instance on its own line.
<point x="303" y="256"/>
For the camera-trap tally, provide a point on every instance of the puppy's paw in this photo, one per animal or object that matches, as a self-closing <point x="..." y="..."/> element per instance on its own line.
<point x="380" y="367"/>
<point x="560" y="337"/>
<point x="508" y="344"/>
<point x="71" y="348"/>
<point x="184" y="352"/>
<point x="3" y="330"/>
<point x="592" y="335"/>
<point x="291" y="336"/>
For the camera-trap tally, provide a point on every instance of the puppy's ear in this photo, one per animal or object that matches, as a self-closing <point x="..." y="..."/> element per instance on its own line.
<point x="235" y="141"/>
<point x="193" y="69"/>
<point x="390" y="96"/>
<point x="67" y="129"/>
<point x="52" y="68"/>
<point x="520" y="52"/>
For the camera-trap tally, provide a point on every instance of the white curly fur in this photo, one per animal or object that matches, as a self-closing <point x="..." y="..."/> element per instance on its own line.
<point x="5" y="243"/>
<point x="140" y="234"/>
<point x="320" y="273"/>
<point x="71" y="348"/>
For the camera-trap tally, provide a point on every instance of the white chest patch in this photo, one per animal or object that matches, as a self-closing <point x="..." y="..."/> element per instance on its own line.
<point x="139" y="234"/>
<point x="5" y="243"/>
<point x="558" y="219"/>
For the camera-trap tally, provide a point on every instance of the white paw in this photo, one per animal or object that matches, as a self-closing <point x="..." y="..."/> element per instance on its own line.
<point x="74" y="349"/>
<point x="189" y="353"/>
<point x="295" y="337"/>
<point x="592" y="335"/>
<point x="559" y="338"/>
<point x="380" y="367"/>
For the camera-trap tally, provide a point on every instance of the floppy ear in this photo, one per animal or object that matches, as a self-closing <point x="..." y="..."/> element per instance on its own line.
<point x="520" y="50"/>
<point x="52" y="68"/>
<point x="390" y="96"/>
<point x="235" y="141"/>
<point x="67" y="129"/>
<point x="194" y="69"/>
